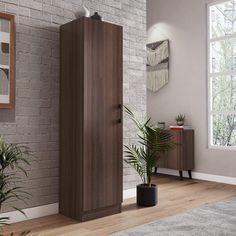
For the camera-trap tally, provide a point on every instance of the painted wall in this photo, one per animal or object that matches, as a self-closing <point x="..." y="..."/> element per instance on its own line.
<point x="34" y="122"/>
<point x="184" y="23"/>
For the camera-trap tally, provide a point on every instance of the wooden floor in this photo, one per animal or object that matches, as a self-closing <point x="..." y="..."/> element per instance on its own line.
<point x="174" y="197"/>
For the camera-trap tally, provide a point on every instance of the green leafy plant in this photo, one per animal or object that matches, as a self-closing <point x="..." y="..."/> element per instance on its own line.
<point x="13" y="158"/>
<point x="152" y="141"/>
<point x="180" y="118"/>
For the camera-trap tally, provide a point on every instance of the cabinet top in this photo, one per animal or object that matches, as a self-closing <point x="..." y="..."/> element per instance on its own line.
<point x="87" y="19"/>
<point x="180" y="130"/>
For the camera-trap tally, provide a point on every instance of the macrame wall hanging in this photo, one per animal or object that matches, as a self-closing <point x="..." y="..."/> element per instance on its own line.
<point x="157" y="65"/>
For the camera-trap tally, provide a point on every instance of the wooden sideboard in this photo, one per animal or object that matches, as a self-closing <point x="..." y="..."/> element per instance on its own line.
<point x="181" y="157"/>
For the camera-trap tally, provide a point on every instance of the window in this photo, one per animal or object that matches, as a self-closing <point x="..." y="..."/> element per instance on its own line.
<point x="222" y="74"/>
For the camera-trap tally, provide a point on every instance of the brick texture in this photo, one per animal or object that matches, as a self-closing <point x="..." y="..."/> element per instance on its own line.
<point x="34" y="121"/>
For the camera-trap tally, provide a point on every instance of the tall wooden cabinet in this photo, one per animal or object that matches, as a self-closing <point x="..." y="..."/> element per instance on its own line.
<point x="90" y="119"/>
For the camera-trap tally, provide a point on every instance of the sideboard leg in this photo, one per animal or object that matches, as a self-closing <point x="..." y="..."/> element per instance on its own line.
<point x="155" y="170"/>
<point x="181" y="174"/>
<point x="190" y="174"/>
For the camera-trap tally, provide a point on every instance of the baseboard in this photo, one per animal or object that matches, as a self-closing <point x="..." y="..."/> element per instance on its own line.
<point x="51" y="209"/>
<point x="129" y="193"/>
<point x="32" y="213"/>
<point x="201" y="176"/>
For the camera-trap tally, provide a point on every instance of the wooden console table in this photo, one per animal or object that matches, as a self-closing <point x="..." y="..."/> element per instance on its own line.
<point x="181" y="157"/>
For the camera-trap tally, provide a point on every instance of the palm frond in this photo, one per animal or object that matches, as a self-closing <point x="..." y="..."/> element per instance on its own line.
<point x="13" y="158"/>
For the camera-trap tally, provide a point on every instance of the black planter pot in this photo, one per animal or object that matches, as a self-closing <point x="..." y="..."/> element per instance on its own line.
<point x="146" y="196"/>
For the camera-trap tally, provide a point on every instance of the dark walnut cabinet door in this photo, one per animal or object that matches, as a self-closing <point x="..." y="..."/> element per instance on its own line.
<point x="102" y="164"/>
<point x="181" y="157"/>
<point x="173" y="159"/>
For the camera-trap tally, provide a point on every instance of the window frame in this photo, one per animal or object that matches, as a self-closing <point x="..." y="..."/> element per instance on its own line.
<point x="209" y="77"/>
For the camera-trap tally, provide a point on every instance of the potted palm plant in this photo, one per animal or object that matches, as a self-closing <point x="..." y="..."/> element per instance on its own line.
<point x="143" y="157"/>
<point x="13" y="158"/>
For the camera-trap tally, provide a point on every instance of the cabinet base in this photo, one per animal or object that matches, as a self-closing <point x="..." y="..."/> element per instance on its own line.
<point x="106" y="211"/>
<point x="180" y="173"/>
<point x="93" y="214"/>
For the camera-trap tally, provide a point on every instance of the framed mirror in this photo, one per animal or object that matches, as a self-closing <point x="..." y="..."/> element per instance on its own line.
<point x="7" y="60"/>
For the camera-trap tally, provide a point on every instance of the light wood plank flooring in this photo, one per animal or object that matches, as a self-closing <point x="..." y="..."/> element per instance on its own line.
<point x="175" y="197"/>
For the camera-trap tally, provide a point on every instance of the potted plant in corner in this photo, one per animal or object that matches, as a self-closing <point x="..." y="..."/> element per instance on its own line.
<point x="152" y="141"/>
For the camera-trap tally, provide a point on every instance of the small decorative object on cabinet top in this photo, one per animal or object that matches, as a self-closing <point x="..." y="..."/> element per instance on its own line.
<point x="161" y="125"/>
<point x="180" y="119"/>
<point x="82" y="11"/>
<point x="96" y="16"/>
<point x="179" y="127"/>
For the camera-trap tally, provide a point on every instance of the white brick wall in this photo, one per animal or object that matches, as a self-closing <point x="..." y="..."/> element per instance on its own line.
<point x="34" y="122"/>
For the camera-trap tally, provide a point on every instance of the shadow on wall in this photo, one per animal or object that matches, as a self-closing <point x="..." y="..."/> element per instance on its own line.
<point x="158" y="32"/>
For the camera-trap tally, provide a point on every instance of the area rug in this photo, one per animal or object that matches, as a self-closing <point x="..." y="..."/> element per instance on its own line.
<point x="217" y="219"/>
